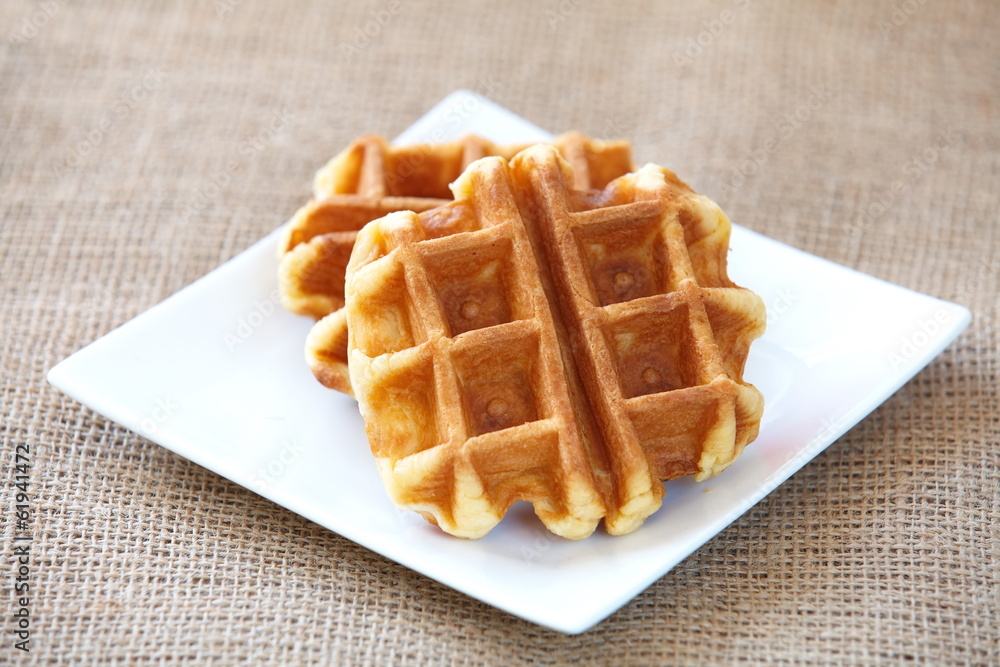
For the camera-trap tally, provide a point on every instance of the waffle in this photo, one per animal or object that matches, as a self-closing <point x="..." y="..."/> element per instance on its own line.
<point x="370" y="179"/>
<point x="531" y="341"/>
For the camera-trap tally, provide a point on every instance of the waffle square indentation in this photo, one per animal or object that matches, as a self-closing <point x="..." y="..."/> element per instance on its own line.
<point x="498" y="384"/>
<point x="654" y="351"/>
<point x="385" y="304"/>
<point x="625" y="259"/>
<point x="423" y="171"/>
<point x="473" y="285"/>
<point x="405" y="390"/>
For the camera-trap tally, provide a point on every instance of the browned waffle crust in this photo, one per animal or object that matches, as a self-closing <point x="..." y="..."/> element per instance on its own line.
<point x="372" y="178"/>
<point x="532" y="341"/>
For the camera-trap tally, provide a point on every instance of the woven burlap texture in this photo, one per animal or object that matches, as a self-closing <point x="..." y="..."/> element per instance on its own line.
<point x="144" y="144"/>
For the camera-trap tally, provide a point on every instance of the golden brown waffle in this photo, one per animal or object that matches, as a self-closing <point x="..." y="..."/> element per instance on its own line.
<point x="530" y="341"/>
<point x="370" y="179"/>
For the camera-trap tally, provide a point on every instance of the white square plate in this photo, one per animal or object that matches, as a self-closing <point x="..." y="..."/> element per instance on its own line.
<point x="216" y="374"/>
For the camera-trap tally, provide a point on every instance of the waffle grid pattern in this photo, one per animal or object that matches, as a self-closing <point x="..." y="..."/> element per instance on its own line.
<point x="370" y="179"/>
<point x="461" y="312"/>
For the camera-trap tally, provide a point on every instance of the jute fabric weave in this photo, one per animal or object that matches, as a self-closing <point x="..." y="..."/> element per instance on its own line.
<point x="145" y="143"/>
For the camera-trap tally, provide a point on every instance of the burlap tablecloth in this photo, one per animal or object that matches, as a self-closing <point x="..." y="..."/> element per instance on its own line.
<point x="144" y="144"/>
